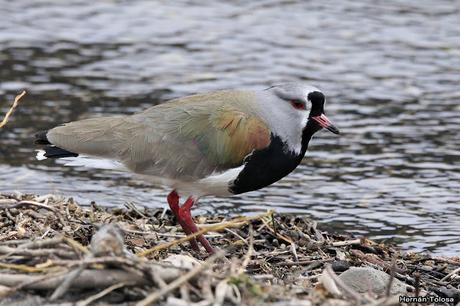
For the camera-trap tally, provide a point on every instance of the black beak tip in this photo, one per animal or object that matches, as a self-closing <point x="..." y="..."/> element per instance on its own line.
<point x="333" y="129"/>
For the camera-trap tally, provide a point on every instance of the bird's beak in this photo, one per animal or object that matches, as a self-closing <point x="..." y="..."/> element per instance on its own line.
<point x="324" y="122"/>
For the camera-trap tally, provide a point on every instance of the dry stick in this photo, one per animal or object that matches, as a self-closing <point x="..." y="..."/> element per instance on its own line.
<point x="39" y="244"/>
<point x="450" y="274"/>
<point x="33" y="252"/>
<point x="25" y="280"/>
<point x="446" y="260"/>
<point x="287" y="239"/>
<point x="97" y="296"/>
<point x="21" y="267"/>
<point x="417" y="284"/>
<point x="67" y="282"/>
<point x="10" y="111"/>
<point x="76" y="245"/>
<point x="89" y="279"/>
<point x="347" y="242"/>
<point x="15" y="204"/>
<point x="294" y="251"/>
<point x="150" y="299"/>
<point x="392" y="276"/>
<point x="236" y="235"/>
<point x="218" y="227"/>
<point x="352" y="293"/>
<point x="158" y="280"/>
<point x="248" y="255"/>
<point x="38" y="204"/>
<point x="303" y="262"/>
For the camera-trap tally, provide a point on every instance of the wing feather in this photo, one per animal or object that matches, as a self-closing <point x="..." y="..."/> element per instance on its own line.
<point x="187" y="139"/>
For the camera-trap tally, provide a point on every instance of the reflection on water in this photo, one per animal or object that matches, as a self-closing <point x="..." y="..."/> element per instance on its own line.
<point x="390" y="69"/>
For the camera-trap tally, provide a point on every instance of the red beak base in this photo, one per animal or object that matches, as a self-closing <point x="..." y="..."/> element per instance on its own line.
<point x="324" y="122"/>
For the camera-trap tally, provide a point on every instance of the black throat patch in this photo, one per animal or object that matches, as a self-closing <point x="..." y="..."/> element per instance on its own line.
<point x="266" y="166"/>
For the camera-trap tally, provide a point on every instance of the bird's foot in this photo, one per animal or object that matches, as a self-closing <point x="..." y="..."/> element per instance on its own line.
<point x="184" y="218"/>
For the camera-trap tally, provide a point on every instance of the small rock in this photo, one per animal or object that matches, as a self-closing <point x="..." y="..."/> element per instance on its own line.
<point x="448" y="293"/>
<point x="107" y="241"/>
<point x="340" y="265"/>
<point x="182" y="261"/>
<point x="365" y="279"/>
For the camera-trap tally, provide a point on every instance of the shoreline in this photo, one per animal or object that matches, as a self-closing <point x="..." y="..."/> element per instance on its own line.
<point x="52" y="250"/>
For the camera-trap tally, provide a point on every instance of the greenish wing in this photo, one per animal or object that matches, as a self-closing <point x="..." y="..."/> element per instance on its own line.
<point x="226" y="136"/>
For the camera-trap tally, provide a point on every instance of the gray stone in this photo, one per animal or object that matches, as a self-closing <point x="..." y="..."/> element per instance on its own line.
<point x="340" y="265"/>
<point x="367" y="279"/>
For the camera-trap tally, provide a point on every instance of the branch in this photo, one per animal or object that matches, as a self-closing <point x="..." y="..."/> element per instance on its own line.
<point x="10" y="111"/>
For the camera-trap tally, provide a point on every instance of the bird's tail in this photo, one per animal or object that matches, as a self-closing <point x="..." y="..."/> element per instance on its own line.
<point x="49" y="150"/>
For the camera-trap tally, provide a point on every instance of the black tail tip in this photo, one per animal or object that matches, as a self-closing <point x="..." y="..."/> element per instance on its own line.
<point x="56" y="152"/>
<point x="41" y="139"/>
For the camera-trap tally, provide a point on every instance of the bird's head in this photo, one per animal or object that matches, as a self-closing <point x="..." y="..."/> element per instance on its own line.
<point x="305" y="103"/>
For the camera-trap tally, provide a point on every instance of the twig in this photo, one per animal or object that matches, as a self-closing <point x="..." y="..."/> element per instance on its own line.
<point x="350" y="292"/>
<point x="450" y="274"/>
<point x="274" y="223"/>
<point x="76" y="245"/>
<point x="294" y="251"/>
<point x="303" y="262"/>
<point x="21" y="267"/>
<point x="236" y="235"/>
<point x="347" y="242"/>
<point x="286" y="239"/>
<point x="248" y="255"/>
<point x="26" y="281"/>
<point x="392" y="276"/>
<point x="88" y="279"/>
<point x="33" y="203"/>
<point x="218" y="227"/>
<point x="12" y="108"/>
<point x="150" y="299"/>
<point x="446" y="260"/>
<point x="417" y="284"/>
<point x="34" y="252"/>
<point x="67" y="282"/>
<point x="97" y="296"/>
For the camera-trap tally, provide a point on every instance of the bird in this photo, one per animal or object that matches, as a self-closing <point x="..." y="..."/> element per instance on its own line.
<point x="218" y="143"/>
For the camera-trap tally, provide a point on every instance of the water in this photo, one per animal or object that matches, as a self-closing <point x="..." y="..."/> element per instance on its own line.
<point x="390" y="69"/>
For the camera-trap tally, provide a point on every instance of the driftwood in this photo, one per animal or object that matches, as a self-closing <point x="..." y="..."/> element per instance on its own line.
<point x="88" y="279"/>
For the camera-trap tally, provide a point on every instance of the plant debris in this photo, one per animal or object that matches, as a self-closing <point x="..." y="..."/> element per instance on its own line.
<point x="54" y="251"/>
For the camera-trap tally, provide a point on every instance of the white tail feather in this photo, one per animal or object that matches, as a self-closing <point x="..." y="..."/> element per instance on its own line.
<point x="93" y="162"/>
<point x="41" y="155"/>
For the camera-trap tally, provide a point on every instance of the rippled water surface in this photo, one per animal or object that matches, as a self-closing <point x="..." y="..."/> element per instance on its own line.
<point x="390" y="69"/>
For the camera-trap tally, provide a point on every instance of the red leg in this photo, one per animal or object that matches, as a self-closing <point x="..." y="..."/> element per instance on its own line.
<point x="173" y="201"/>
<point x="186" y="218"/>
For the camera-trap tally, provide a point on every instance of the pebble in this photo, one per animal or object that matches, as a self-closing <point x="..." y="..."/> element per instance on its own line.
<point x="340" y="265"/>
<point x="365" y="279"/>
<point x="448" y="293"/>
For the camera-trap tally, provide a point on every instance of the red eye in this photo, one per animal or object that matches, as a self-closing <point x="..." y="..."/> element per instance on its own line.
<point x="298" y="104"/>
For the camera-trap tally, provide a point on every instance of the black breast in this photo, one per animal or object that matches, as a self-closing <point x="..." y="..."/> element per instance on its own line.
<point x="266" y="166"/>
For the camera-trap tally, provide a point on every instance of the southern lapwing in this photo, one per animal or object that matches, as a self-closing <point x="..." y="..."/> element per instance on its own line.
<point x="219" y="143"/>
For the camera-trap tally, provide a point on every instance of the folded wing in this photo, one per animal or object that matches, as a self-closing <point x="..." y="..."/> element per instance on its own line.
<point x="188" y="139"/>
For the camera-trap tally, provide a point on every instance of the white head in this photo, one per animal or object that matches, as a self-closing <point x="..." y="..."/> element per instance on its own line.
<point x="292" y="107"/>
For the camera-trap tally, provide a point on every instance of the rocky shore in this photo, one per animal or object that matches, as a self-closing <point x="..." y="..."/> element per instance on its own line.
<point x="54" y="251"/>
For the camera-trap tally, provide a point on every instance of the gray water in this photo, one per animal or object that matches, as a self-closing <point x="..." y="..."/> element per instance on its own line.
<point x="390" y="70"/>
